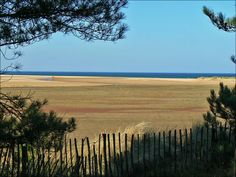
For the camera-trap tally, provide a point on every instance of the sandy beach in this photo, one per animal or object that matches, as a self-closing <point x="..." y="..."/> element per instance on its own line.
<point x="112" y="103"/>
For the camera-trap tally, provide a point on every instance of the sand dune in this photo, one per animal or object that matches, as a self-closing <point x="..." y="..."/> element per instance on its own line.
<point x="65" y="81"/>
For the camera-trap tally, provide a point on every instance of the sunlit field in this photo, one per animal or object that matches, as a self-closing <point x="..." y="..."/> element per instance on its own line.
<point x="112" y="104"/>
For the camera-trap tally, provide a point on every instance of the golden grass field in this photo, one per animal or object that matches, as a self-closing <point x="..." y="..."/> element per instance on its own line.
<point x="111" y="104"/>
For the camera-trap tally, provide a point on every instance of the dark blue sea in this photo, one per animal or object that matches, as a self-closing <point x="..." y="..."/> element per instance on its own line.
<point x="124" y="74"/>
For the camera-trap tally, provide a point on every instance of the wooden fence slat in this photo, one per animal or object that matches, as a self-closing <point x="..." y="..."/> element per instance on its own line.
<point x="92" y="166"/>
<point x="109" y="155"/>
<point x="201" y="144"/>
<point x="159" y="146"/>
<point x="169" y="144"/>
<point x="144" y="153"/>
<point x="164" y="144"/>
<point x="95" y="160"/>
<point x="191" y="145"/>
<point x="154" y="154"/>
<point x="126" y="155"/>
<point x="43" y="161"/>
<point x="82" y="157"/>
<point x="138" y="148"/>
<point x="49" y="161"/>
<point x="77" y="162"/>
<point x="71" y="154"/>
<point x="175" y="149"/>
<point x="181" y="148"/>
<point x="149" y="147"/>
<point x="66" y="153"/>
<point x="114" y="153"/>
<point x="18" y="159"/>
<point x="1" y="152"/>
<point x="85" y="166"/>
<point x="13" y="160"/>
<point x="120" y="156"/>
<point x="144" y="149"/>
<point x="8" y="161"/>
<point x="24" y="160"/>
<point x="100" y="162"/>
<point x="105" y="154"/>
<point x="99" y="154"/>
<point x="89" y="156"/>
<point x="186" y="146"/>
<point x="207" y="142"/>
<point x="132" y="152"/>
<point x="61" y="158"/>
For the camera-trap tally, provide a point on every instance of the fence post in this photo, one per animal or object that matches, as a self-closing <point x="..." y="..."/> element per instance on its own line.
<point x="114" y="154"/>
<point x="201" y="148"/>
<point x="186" y="147"/>
<point x="126" y="155"/>
<point x="132" y="153"/>
<point x="207" y="143"/>
<point x="144" y="151"/>
<point x="95" y="160"/>
<point x="89" y="156"/>
<point x="138" y="147"/>
<point x="13" y="160"/>
<point x="169" y="148"/>
<point x="71" y="156"/>
<point x="66" y="155"/>
<point x="154" y="154"/>
<point x="164" y="144"/>
<point x="61" y="158"/>
<point x="175" y="151"/>
<point x="18" y="159"/>
<point x="191" y="144"/>
<point x="149" y="148"/>
<point x="24" y="160"/>
<point x="99" y="154"/>
<point x="77" y="158"/>
<point x="105" y="154"/>
<point x="120" y="156"/>
<point x="109" y="154"/>
<point x="82" y="157"/>
<point x="159" y="148"/>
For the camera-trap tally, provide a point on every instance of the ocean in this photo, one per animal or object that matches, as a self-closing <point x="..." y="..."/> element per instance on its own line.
<point x="124" y="74"/>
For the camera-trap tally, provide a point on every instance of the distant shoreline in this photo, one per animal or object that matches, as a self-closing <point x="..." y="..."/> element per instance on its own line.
<point x="127" y="74"/>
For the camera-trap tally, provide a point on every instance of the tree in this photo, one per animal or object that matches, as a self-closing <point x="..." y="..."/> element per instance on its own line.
<point x="25" y="22"/>
<point x="28" y="21"/>
<point x="223" y="105"/>
<point x="22" y="120"/>
<point x="220" y="21"/>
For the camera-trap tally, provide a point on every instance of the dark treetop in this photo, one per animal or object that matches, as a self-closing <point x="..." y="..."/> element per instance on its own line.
<point x="23" y="22"/>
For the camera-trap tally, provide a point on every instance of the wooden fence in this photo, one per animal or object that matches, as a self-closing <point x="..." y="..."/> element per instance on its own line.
<point x="152" y="154"/>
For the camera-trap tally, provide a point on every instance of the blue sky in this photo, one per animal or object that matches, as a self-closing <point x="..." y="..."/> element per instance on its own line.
<point x="162" y="37"/>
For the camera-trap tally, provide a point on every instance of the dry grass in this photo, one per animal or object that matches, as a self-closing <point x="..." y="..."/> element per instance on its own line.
<point x="109" y="104"/>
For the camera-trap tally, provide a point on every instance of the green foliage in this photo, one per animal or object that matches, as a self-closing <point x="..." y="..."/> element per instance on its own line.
<point x="219" y="20"/>
<point x="222" y="106"/>
<point x="23" y="120"/>
<point x="29" y="21"/>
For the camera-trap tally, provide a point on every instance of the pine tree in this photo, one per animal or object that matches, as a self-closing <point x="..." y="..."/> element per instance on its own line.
<point x="222" y="106"/>
<point x="220" y="21"/>
<point x="22" y="120"/>
<point x="27" y="21"/>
